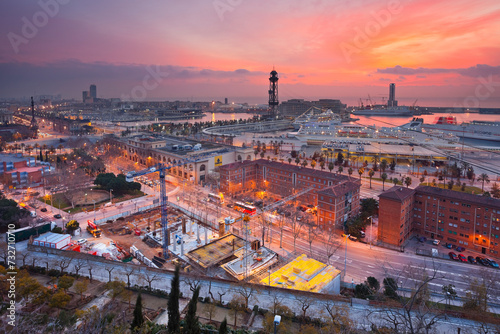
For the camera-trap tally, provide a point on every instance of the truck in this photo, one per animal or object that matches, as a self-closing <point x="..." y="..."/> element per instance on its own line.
<point x="93" y="229"/>
<point x="26" y="232"/>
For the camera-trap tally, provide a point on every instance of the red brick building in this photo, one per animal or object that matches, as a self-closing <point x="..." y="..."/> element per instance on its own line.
<point x="338" y="203"/>
<point x="466" y="220"/>
<point x="276" y="177"/>
<point x="336" y="196"/>
<point x="395" y="214"/>
<point x="18" y="171"/>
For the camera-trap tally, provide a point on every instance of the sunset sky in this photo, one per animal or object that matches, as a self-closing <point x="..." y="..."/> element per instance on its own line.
<point x="441" y="52"/>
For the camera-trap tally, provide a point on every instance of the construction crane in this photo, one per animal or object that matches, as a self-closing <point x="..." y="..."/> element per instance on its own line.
<point x="162" y="169"/>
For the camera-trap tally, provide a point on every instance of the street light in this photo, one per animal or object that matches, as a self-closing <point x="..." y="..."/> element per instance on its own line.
<point x="277" y="320"/>
<point x="110" y="196"/>
<point x="345" y="257"/>
<point x="371" y="231"/>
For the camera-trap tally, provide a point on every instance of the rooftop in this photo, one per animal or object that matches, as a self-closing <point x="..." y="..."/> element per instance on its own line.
<point x="24" y="170"/>
<point x="397" y="193"/>
<point x="287" y="167"/>
<point x="303" y="274"/>
<point x="458" y="195"/>
<point x="341" y="188"/>
<point x="52" y="237"/>
<point x="216" y="251"/>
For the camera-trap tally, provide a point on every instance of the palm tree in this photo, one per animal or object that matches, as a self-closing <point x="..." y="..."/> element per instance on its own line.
<point x="395" y="181"/>
<point x="465" y="166"/>
<point x="28" y="149"/>
<point x="408" y="181"/>
<point x="341" y="169"/>
<point x="330" y="166"/>
<point x="375" y="161"/>
<point x="384" y="177"/>
<point x="383" y="166"/>
<point x="322" y="164"/>
<point x="483" y="178"/>
<point x="297" y="160"/>
<point x="350" y="171"/>
<point x="361" y="170"/>
<point x="370" y="174"/>
<point x="289" y="160"/>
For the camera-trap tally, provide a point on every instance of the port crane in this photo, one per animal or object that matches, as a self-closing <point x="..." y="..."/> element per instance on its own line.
<point x="162" y="169"/>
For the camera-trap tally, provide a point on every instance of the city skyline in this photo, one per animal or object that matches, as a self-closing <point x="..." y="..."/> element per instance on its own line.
<point x="211" y="50"/>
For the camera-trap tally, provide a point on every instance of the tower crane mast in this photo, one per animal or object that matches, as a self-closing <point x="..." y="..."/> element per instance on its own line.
<point x="162" y="169"/>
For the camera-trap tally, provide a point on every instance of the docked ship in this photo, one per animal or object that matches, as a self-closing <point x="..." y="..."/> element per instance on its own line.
<point x="482" y="130"/>
<point x="320" y="130"/>
<point x="389" y="111"/>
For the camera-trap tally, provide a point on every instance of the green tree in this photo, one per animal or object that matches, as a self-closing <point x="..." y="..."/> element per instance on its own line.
<point x="340" y="158"/>
<point x="340" y="169"/>
<point x="330" y="166"/>
<point x="174" y="318"/>
<point x="322" y="164"/>
<point x="362" y="291"/>
<point x="369" y="207"/>
<point x="390" y="288"/>
<point x="395" y="181"/>
<point x="138" y="316"/>
<point x="65" y="282"/>
<point x="408" y="181"/>
<point x="223" y="327"/>
<point x="297" y="160"/>
<point x="289" y="160"/>
<point x="191" y="325"/>
<point x="383" y="166"/>
<point x="72" y="225"/>
<point x="59" y="299"/>
<point x="81" y="286"/>
<point x="449" y="293"/>
<point x="495" y="190"/>
<point x="350" y="171"/>
<point x="483" y="178"/>
<point x="373" y="284"/>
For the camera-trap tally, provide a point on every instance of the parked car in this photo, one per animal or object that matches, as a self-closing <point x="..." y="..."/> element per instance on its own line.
<point x="481" y="260"/>
<point x="229" y="206"/>
<point x="81" y="241"/>
<point x="362" y="234"/>
<point x="462" y="258"/>
<point x="449" y="246"/>
<point x="493" y="263"/>
<point x="422" y="239"/>
<point x="436" y="242"/>
<point x="43" y="209"/>
<point x="353" y="238"/>
<point x="453" y="256"/>
<point x="57" y="216"/>
<point x="460" y="249"/>
<point x="471" y="259"/>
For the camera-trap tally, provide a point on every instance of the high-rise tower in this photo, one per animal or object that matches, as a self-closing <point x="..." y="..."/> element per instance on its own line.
<point x="392" y="96"/>
<point x="34" y="124"/>
<point x="93" y="91"/>
<point x="273" y="93"/>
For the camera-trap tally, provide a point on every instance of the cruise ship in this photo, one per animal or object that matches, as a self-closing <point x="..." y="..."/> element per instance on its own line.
<point x="482" y="130"/>
<point x="318" y="131"/>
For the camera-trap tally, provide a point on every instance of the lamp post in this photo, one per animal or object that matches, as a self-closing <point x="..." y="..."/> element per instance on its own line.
<point x="277" y="320"/>
<point x="110" y="196"/>
<point x="371" y="230"/>
<point x="345" y="257"/>
<point x="94" y="211"/>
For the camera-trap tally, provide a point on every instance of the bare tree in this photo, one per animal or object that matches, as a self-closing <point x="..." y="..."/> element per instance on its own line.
<point x="90" y="265"/>
<point x="78" y="265"/>
<point x="416" y="314"/>
<point x="192" y="282"/>
<point x="331" y="246"/>
<point x="246" y="291"/>
<point x="312" y="233"/>
<point x="296" y="228"/>
<point x="64" y="263"/>
<point x="109" y="269"/>
<point x="129" y="271"/>
<point x="340" y="322"/>
<point x="150" y="278"/>
<point x="24" y="257"/>
<point x="305" y="301"/>
<point x="281" y="225"/>
<point x="220" y="295"/>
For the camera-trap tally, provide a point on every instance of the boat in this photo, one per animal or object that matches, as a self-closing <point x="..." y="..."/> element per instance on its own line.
<point x="389" y="111"/>
<point x="318" y="132"/>
<point x="482" y="130"/>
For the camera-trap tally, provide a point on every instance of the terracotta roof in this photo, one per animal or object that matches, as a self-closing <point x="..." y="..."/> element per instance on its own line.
<point x="341" y="188"/>
<point x="288" y="167"/>
<point x="397" y="193"/>
<point x="458" y="195"/>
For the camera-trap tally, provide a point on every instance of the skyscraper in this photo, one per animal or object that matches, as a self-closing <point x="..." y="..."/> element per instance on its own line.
<point x="392" y="102"/>
<point x="93" y="91"/>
